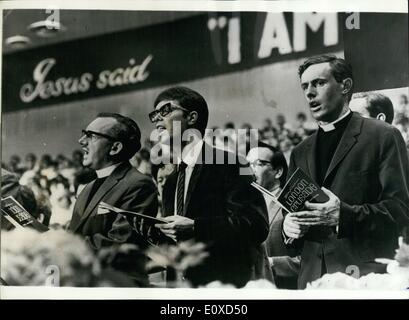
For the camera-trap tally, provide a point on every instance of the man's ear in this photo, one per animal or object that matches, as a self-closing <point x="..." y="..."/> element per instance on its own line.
<point x="381" y="116"/>
<point x="116" y="148"/>
<point x="347" y="84"/>
<point x="192" y="117"/>
<point x="279" y="173"/>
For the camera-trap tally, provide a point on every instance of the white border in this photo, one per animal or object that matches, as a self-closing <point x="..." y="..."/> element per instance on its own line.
<point x="169" y="295"/>
<point x="202" y="5"/>
<point x="398" y="6"/>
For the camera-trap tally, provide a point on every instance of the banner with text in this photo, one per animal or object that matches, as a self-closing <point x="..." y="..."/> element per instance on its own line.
<point x="187" y="49"/>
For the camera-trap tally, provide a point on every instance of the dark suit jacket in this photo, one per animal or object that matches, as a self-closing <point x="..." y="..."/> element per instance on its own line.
<point x="125" y="188"/>
<point x="230" y="218"/>
<point x="369" y="173"/>
<point x="285" y="268"/>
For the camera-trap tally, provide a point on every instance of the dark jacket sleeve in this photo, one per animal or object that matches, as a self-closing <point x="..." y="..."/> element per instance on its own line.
<point x="246" y="217"/>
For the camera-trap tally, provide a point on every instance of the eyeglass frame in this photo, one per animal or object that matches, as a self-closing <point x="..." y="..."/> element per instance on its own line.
<point x="261" y="163"/>
<point x="88" y="134"/>
<point x="152" y="115"/>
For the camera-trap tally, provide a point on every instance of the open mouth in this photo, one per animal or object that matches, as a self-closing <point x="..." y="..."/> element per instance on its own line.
<point x="160" y="128"/>
<point x="314" y="106"/>
<point x="84" y="151"/>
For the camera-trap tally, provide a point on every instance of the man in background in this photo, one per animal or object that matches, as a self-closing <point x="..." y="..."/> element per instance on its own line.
<point x="270" y="170"/>
<point x="373" y="105"/>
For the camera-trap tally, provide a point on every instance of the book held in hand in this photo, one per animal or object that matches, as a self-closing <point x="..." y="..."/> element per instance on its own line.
<point x="147" y="219"/>
<point x="15" y="213"/>
<point x="299" y="189"/>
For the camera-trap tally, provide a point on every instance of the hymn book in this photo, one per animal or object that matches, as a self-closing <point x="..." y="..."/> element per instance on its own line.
<point x="298" y="189"/>
<point x="147" y="219"/>
<point x="15" y="213"/>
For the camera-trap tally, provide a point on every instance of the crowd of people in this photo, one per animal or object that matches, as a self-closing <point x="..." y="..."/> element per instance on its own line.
<point x="363" y="170"/>
<point x="55" y="180"/>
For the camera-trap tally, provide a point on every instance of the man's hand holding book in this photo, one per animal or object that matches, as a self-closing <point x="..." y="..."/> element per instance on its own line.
<point x="326" y="213"/>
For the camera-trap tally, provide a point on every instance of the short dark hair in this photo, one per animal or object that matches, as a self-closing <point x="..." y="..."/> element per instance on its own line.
<point x="190" y="100"/>
<point x="126" y="131"/>
<point x="340" y="69"/>
<point x="277" y="161"/>
<point x="377" y="103"/>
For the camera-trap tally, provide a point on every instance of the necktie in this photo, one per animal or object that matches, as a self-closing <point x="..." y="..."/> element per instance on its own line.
<point x="180" y="189"/>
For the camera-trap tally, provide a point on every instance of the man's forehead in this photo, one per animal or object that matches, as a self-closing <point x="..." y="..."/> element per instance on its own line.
<point x="315" y="71"/>
<point x="259" y="153"/>
<point x="163" y="102"/>
<point x="102" y="124"/>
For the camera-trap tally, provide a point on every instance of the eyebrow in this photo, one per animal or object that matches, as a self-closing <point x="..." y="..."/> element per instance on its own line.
<point x="313" y="81"/>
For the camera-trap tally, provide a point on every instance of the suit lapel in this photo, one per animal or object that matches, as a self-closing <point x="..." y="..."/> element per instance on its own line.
<point x="169" y="189"/>
<point x="311" y="158"/>
<point x="192" y="185"/>
<point x="108" y="184"/>
<point x="274" y="213"/>
<point x="168" y="196"/>
<point x="80" y="206"/>
<point x="206" y="154"/>
<point x="348" y="140"/>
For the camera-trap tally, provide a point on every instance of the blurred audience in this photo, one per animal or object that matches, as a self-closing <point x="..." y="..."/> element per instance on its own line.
<point x="56" y="181"/>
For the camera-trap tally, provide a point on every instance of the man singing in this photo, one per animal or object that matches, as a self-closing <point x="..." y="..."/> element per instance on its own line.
<point x="206" y="201"/>
<point x="361" y="165"/>
<point x="108" y="143"/>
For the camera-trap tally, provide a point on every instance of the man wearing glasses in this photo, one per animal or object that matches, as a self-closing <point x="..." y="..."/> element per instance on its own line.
<point x="108" y="143"/>
<point x="270" y="170"/>
<point x="205" y="199"/>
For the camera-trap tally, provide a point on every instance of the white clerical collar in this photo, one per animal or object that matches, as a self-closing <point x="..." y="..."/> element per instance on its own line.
<point x="191" y="153"/>
<point x="331" y="126"/>
<point x="105" y="172"/>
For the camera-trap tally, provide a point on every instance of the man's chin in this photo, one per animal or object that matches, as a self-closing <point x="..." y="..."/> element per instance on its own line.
<point x="319" y="116"/>
<point x="86" y="164"/>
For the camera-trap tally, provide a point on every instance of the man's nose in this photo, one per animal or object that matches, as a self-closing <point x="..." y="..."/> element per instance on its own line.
<point x="82" y="140"/>
<point x="310" y="92"/>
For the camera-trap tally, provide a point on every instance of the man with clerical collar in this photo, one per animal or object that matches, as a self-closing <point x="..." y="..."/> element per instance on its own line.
<point x="270" y="171"/>
<point x="108" y="143"/>
<point x="361" y="164"/>
<point x="206" y="199"/>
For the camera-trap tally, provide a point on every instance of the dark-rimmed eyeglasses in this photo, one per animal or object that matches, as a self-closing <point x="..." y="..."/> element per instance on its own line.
<point x="89" y="134"/>
<point x="164" y="111"/>
<point x="260" y="163"/>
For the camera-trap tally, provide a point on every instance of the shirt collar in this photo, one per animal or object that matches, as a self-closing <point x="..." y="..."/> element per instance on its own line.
<point x="105" y="172"/>
<point x="191" y="153"/>
<point x="331" y="126"/>
<point x="269" y="200"/>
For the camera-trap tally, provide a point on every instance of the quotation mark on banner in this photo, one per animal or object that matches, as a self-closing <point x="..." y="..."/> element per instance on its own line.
<point x="217" y="26"/>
